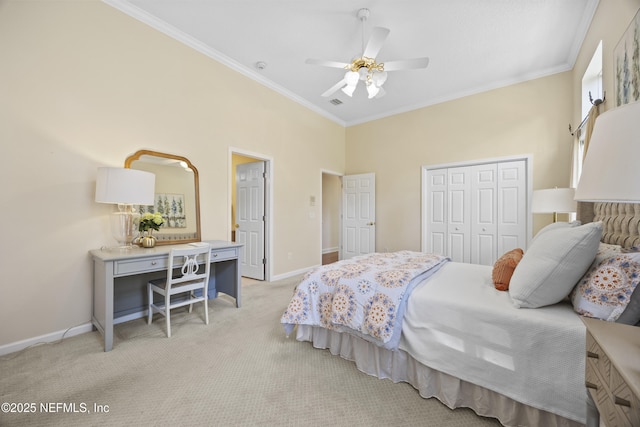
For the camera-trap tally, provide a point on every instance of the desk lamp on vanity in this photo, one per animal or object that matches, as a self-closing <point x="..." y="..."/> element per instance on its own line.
<point x="124" y="187"/>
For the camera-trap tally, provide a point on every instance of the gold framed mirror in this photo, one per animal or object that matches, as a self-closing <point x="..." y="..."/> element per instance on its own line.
<point x="176" y="198"/>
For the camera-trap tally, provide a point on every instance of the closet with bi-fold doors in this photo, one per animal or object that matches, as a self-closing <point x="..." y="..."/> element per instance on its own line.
<point x="476" y="211"/>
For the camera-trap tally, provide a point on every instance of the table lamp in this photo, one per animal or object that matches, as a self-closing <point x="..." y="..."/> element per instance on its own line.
<point x="124" y="187"/>
<point x="554" y="200"/>
<point x="611" y="170"/>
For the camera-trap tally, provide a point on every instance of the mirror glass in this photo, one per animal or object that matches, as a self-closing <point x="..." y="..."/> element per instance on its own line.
<point x="176" y="195"/>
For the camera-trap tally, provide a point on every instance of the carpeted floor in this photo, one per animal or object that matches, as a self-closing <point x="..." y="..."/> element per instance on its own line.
<point x="240" y="370"/>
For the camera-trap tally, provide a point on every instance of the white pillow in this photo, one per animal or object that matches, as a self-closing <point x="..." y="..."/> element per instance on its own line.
<point x="554" y="226"/>
<point x="554" y="263"/>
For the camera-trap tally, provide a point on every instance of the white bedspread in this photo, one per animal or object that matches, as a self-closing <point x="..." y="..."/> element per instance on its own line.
<point x="456" y="322"/>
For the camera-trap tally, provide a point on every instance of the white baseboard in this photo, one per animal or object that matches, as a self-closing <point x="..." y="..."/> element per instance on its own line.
<point x="88" y="327"/>
<point x="329" y="250"/>
<point x="292" y="273"/>
<point x="44" y="339"/>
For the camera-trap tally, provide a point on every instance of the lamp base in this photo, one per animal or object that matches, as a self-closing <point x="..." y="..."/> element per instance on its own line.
<point x="123" y="227"/>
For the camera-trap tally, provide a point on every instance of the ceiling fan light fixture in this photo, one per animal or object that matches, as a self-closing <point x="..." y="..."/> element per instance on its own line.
<point x="372" y="89"/>
<point x="365" y="67"/>
<point x="351" y="78"/>
<point x="349" y="90"/>
<point x="379" y="78"/>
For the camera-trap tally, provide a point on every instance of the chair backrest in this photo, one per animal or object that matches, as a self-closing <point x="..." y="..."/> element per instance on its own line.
<point x="192" y="263"/>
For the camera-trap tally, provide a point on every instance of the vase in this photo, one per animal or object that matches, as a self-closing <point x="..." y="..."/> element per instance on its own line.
<point x="148" y="241"/>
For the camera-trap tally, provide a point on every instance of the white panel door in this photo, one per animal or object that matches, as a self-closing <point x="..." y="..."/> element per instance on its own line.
<point x="512" y="203"/>
<point x="459" y="214"/>
<point x="484" y="206"/>
<point x="358" y="215"/>
<point x="484" y="227"/>
<point x="250" y="220"/>
<point x="437" y="211"/>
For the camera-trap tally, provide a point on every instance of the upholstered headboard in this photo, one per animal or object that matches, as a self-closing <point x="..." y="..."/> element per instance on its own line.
<point x="620" y="221"/>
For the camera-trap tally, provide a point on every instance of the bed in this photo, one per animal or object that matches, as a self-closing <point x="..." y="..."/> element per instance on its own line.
<point x="516" y="355"/>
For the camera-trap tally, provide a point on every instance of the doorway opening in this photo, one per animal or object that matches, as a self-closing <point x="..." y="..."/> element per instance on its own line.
<point x="250" y="213"/>
<point x="348" y="215"/>
<point x="331" y="210"/>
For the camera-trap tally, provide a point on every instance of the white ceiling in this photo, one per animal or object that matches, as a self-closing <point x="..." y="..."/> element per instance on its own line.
<point x="473" y="45"/>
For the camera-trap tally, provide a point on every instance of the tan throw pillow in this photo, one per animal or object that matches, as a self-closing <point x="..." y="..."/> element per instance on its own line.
<point x="504" y="267"/>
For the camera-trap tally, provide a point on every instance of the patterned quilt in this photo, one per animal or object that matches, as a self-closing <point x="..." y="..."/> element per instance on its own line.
<point x="365" y="295"/>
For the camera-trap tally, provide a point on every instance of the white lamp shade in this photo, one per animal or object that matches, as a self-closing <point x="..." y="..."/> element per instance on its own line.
<point x="125" y="186"/>
<point x="379" y="78"/>
<point x="349" y="90"/>
<point x="554" y="200"/>
<point x="351" y="78"/>
<point x="372" y="89"/>
<point x="611" y="171"/>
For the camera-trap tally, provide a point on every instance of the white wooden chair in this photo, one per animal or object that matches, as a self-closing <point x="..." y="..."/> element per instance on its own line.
<point x="184" y="276"/>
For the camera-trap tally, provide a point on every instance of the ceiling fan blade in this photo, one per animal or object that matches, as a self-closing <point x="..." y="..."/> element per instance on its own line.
<point x="334" y="88"/>
<point x="324" y="63"/>
<point x="406" y="64"/>
<point x="378" y="36"/>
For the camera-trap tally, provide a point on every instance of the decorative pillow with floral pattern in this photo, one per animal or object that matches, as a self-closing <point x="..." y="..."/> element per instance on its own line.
<point x="605" y="291"/>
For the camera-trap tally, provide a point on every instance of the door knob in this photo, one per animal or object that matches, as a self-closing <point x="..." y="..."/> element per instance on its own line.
<point x="371" y="223"/>
<point x="237" y="225"/>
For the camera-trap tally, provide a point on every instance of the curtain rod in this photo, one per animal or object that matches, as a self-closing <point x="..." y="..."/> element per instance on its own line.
<point x="595" y="103"/>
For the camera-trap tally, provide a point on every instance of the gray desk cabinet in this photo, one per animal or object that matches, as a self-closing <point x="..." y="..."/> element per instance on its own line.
<point x="120" y="278"/>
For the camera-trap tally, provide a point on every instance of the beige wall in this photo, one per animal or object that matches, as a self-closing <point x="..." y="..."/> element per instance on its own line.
<point x="88" y="86"/>
<point x="83" y="86"/>
<point x="528" y="118"/>
<point x="609" y="24"/>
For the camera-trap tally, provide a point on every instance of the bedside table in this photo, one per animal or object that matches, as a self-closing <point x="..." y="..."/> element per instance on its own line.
<point x="612" y="373"/>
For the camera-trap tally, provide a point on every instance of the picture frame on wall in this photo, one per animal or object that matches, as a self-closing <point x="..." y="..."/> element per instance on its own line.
<point x="627" y="64"/>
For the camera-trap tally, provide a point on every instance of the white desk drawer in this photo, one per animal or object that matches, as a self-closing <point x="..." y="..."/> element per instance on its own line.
<point x="221" y="255"/>
<point x="125" y="267"/>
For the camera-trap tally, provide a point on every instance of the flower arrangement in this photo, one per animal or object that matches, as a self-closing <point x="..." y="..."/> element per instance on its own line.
<point x="150" y="221"/>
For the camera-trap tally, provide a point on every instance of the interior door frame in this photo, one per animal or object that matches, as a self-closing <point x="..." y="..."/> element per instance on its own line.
<point x="268" y="202"/>
<point x="424" y="202"/>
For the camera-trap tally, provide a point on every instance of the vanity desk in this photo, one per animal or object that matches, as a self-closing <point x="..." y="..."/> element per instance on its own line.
<point x="120" y="278"/>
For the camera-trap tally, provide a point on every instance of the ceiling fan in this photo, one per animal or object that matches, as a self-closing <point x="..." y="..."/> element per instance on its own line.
<point x="365" y="67"/>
